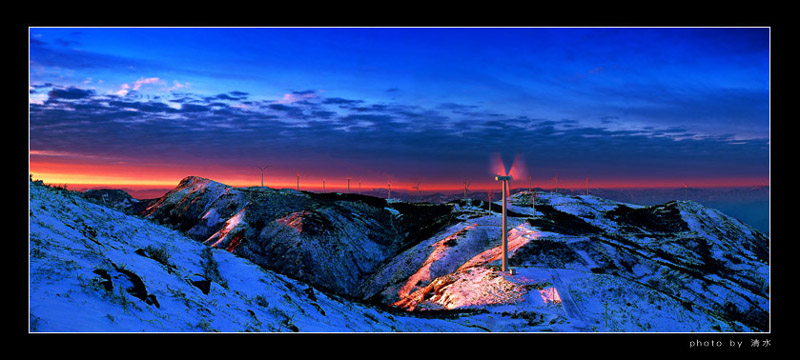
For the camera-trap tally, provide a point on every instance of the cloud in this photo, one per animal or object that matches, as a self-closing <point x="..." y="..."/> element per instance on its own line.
<point x="125" y="88"/>
<point x="70" y="93"/>
<point x="66" y="43"/>
<point x="149" y="106"/>
<point x="296" y="96"/>
<point x="240" y="95"/>
<point x="177" y="85"/>
<point x="418" y="139"/>
<point x="194" y="108"/>
<point x="321" y="114"/>
<point x="142" y="81"/>
<point x="294" y="112"/>
<point x="340" y="101"/>
<point x="232" y="96"/>
<point x="43" y="54"/>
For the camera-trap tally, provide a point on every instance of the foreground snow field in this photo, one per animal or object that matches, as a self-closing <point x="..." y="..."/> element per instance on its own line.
<point x="76" y="247"/>
<point x="264" y="260"/>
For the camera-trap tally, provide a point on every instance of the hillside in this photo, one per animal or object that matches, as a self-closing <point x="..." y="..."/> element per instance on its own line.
<point x="97" y="269"/>
<point x="328" y="240"/>
<point x="615" y="267"/>
<point x="582" y="263"/>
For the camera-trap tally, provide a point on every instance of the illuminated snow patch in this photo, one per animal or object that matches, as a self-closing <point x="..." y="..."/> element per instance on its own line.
<point x="517" y="237"/>
<point x="475" y="287"/>
<point x="423" y="275"/>
<point x="230" y="225"/>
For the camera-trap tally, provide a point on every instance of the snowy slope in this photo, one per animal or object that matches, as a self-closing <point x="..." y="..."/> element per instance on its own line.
<point x="96" y="269"/>
<point x="615" y="267"/>
<point x="582" y="263"/>
<point x="330" y="240"/>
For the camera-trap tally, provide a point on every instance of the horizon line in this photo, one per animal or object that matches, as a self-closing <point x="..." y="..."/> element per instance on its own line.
<point x="82" y="187"/>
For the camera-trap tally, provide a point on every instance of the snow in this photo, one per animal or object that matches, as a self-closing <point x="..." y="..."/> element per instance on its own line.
<point x="457" y="269"/>
<point x="230" y="225"/>
<point x="518" y="236"/>
<point x="394" y="212"/>
<point x="66" y="295"/>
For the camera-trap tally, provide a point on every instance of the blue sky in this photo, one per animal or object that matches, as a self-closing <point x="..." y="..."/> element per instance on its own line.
<point x="659" y="106"/>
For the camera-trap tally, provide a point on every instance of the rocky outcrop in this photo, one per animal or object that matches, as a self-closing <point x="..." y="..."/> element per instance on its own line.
<point x="331" y="240"/>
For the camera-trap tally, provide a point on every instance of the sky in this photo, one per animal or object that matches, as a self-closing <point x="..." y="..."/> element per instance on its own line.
<point x="427" y="107"/>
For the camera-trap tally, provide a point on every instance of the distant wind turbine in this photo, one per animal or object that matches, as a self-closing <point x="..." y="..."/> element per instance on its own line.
<point x="556" y="179"/>
<point x="390" y="191"/>
<point x="466" y="187"/>
<point x="262" y="174"/>
<point x="417" y="188"/>
<point x="348" y="184"/>
<point x="530" y="190"/>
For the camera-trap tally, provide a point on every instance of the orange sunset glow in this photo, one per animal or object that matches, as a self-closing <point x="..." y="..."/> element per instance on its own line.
<point x="82" y="175"/>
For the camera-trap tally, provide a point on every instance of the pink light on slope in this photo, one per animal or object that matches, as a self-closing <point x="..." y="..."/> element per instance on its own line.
<point x="231" y="227"/>
<point x="550" y="294"/>
<point x="424" y="275"/>
<point x="294" y="220"/>
<point x="517" y="237"/>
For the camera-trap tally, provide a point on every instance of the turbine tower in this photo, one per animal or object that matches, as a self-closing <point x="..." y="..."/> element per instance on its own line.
<point x="417" y="188"/>
<point x="587" y="185"/>
<point x="505" y="180"/>
<point x="466" y="186"/>
<point x="533" y="202"/>
<point x="390" y="191"/>
<point x="323" y="184"/>
<point x="348" y="184"/>
<point x="262" y="174"/>
<point x="298" y="182"/>
<point x="556" y="179"/>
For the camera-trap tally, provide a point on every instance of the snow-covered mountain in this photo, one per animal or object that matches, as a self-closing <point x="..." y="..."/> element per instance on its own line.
<point x="615" y="267"/>
<point x="329" y="240"/>
<point x="96" y="269"/>
<point x="582" y="263"/>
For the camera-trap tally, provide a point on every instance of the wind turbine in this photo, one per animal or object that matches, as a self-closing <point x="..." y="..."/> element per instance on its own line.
<point x="262" y="174"/>
<point x="323" y="184"/>
<point x="533" y="201"/>
<point x="556" y="179"/>
<point x="298" y="182"/>
<point x="466" y="186"/>
<point x="359" y="186"/>
<point x="587" y="185"/>
<point x="348" y="184"/>
<point x="417" y="188"/>
<point x="505" y="180"/>
<point x="390" y="191"/>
